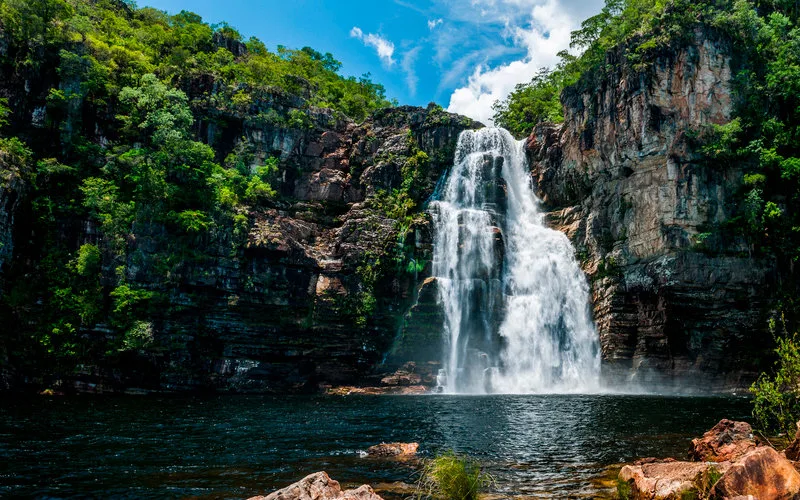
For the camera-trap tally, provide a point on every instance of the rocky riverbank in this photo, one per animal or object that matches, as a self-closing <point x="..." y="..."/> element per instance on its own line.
<point x="727" y="462"/>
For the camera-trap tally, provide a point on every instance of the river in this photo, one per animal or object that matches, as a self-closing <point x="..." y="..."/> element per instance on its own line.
<point x="239" y="446"/>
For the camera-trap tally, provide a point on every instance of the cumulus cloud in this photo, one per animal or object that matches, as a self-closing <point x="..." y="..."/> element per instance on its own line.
<point x="382" y="46"/>
<point x="433" y="23"/>
<point x="541" y="28"/>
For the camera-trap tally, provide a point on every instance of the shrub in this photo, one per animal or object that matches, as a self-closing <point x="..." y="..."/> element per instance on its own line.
<point x="452" y="477"/>
<point x="776" y="398"/>
<point x="139" y="336"/>
<point x="624" y="490"/>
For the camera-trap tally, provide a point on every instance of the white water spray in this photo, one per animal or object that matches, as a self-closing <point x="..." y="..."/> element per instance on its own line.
<point x="516" y="304"/>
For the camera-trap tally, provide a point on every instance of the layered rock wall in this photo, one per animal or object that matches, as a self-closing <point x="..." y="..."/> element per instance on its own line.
<point x="623" y="178"/>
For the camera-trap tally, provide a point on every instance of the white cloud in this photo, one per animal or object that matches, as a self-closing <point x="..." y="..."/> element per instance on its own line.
<point x="540" y="27"/>
<point x="382" y="46"/>
<point x="433" y="23"/>
<point x="407" y="65"/>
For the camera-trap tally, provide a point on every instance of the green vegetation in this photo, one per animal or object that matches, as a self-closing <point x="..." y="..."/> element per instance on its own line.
<point x="776" y="396"/>
<point x="452" y="477"/>
<point x="764" y="134"/>
<point x="624" y="490"/>
<point x="133" y="97"/>
<point x="642" y="27"/>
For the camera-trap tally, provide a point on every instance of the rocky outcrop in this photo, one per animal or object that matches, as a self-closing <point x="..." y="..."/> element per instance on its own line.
<point x="393" y="450"/>
<point x="310" y="298"/>
<point x="305" y="293"/>
<point x="726" y="464"/>
<point x="669" y="480"/>
<point x="622" y="176"/>
<point x="762" y="473"/>
<point x="725" y="442"/>
<point x="319" y="486"/>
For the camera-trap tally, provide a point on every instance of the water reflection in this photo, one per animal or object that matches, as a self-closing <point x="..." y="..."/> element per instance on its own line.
<point x="238" y="446"/>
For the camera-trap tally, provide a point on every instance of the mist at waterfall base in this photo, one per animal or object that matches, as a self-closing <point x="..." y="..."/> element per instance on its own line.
<point x="515" y="301"/>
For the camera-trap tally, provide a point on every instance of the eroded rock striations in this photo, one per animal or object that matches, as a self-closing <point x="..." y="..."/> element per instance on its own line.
<point x="673" y="297"/>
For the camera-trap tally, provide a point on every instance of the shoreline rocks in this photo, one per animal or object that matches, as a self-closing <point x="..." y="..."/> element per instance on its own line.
<point x="670" y="479"/>
<point x="393" y="450"/>
<point x="320" y="486"/>
<point x="726" y="441"/>
<point x="762" y="473"/>
<point x="348" y="390"/>
<point x="725" y="463"/>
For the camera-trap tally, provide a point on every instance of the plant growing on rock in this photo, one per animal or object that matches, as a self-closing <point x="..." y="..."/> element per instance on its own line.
<point x="452" y="477"/>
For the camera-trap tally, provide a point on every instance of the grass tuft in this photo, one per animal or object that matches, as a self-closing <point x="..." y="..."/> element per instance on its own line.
<point x="452" y="477"/>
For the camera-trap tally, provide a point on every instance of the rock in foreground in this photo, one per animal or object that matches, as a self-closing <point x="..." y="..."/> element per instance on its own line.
<point x="319" y="486"/>
<point x="726" y="441"/>
<point x="762" y="473"/>
<point x="393" y="449"/>
<point x="668" y="479"/>
<point x="727" y="464"/>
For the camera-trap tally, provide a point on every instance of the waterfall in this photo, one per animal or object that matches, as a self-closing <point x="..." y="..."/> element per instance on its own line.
<point x="515" y="301"/>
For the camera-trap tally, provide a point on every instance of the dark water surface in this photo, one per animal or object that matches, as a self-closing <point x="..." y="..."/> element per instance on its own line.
<point x="238" y="446"/>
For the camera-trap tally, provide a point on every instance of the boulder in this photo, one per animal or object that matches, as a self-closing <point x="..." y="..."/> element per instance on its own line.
<point x="393" y="449"/>
<point x="726" y="441"/>
<point x="319" y="486"/>
<point x="669" y="479"/>
<point x="762" y="473"/>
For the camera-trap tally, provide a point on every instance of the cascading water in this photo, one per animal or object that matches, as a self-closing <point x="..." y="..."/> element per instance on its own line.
<point x="515" y="302"/>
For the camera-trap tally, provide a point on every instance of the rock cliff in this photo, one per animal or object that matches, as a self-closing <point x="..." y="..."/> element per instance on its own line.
<point x="307" y="292"/>
<point x="624" y="179"/>
<point x="332" y="278"/>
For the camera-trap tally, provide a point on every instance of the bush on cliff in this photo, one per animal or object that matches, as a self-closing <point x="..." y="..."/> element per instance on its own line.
<point x="104" y="118"/>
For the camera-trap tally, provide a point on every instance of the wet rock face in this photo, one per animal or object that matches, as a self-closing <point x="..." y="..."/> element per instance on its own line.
<point x="624" y="181"/>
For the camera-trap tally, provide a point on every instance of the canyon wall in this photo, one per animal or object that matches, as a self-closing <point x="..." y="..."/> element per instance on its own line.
<point x="676" y="301"/>
<point x="305" y="293"/>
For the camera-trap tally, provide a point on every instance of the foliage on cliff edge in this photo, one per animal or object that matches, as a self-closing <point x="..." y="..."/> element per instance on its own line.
<point x="763" y="39"/>
<point x="98" y="121"/>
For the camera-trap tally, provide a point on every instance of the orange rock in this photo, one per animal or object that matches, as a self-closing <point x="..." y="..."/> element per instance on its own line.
<point x="377" y="391"/>
<point x="762" y="473"/>
<point x="726" y="441"/>
<point x="393" y="449"/>
<point x="668" y="479"/>
<point x="319" y="486"/>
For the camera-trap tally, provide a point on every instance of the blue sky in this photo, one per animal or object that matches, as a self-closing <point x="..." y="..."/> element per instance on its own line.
<point x="462" y="54"/>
